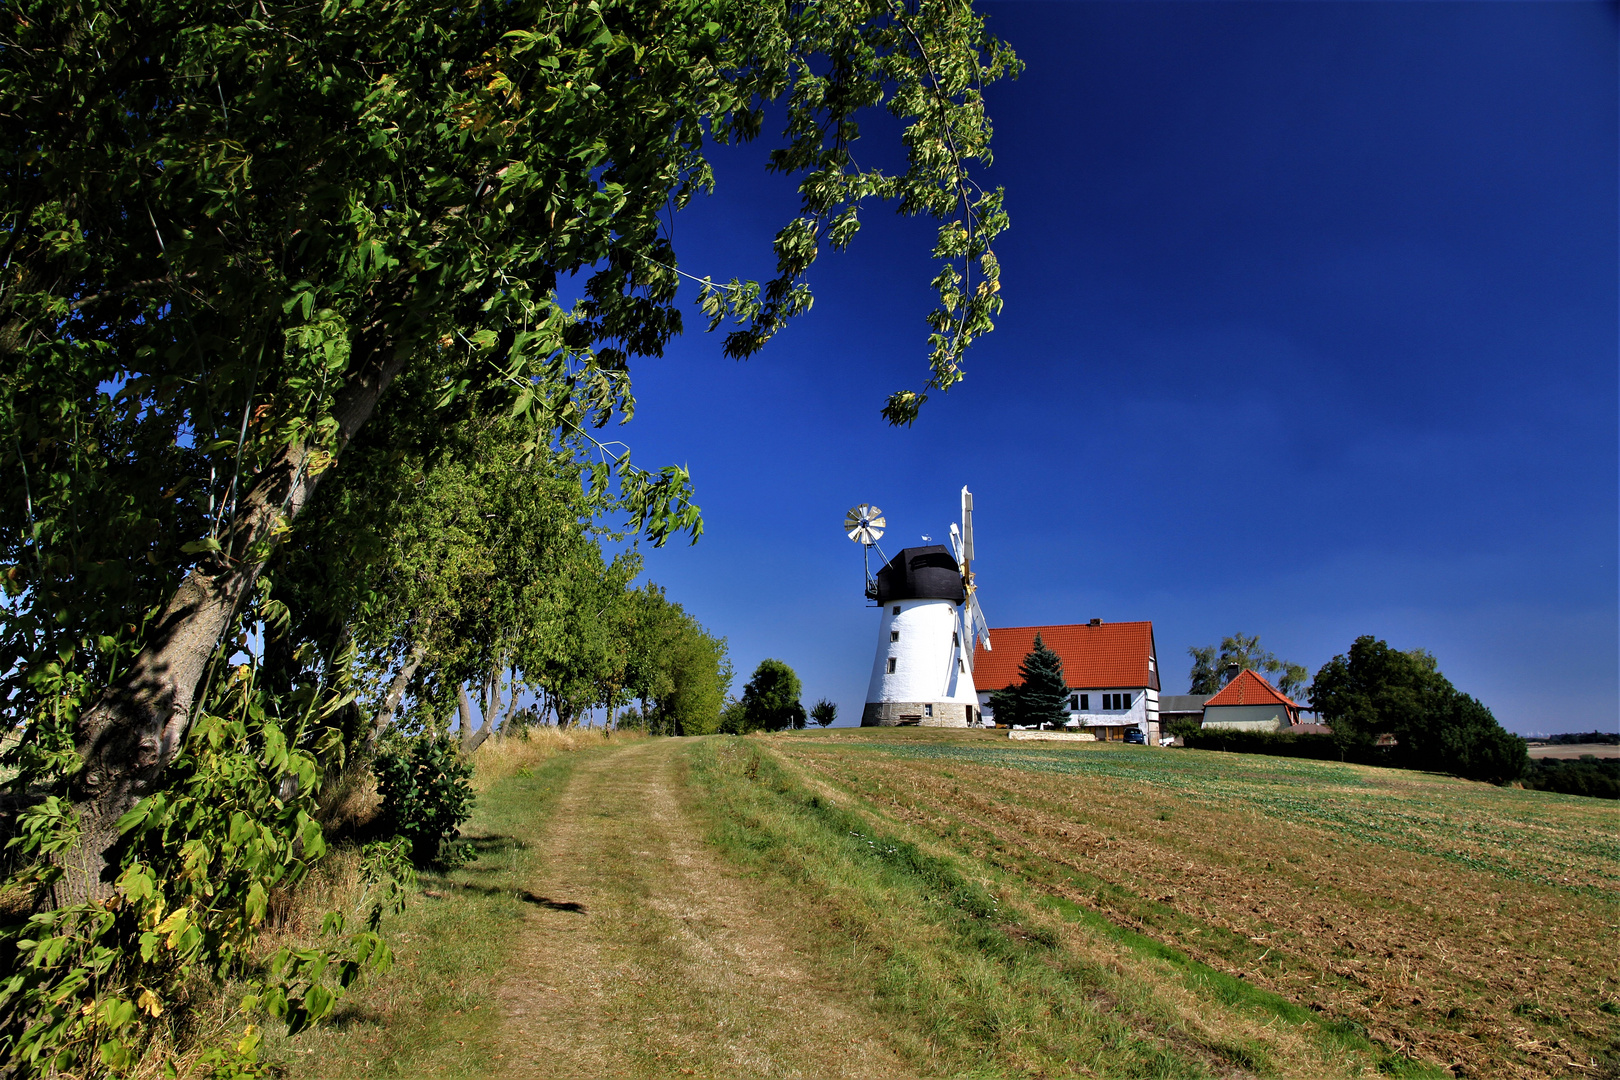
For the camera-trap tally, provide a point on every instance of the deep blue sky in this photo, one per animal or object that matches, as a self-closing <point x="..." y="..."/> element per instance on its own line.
<point x="1310" y="332"/>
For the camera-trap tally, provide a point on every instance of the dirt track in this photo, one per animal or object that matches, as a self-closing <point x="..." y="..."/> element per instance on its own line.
<point x="645" y="955"/>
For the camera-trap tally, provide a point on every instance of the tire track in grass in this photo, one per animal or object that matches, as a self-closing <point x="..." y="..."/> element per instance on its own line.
<point x="643" y="954"/>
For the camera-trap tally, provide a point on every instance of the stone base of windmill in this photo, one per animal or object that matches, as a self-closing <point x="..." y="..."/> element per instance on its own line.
<point x="914" y="714"/>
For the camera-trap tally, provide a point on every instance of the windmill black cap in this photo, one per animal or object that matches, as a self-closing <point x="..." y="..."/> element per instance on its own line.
<point x="921" y="573"/>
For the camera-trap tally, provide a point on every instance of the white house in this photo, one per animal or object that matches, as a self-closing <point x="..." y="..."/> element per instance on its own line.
<point x="1112" y="670"/>
<point x="1250" y="703"/>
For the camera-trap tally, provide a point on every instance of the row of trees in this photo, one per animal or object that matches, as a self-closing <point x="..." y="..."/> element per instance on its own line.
<point x="283" y="360"/>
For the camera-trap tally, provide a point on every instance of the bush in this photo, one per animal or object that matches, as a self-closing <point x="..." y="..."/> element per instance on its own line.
<point x="1278" y="744"/>
<point x="824" y="713"/>
<point x="1590" y="776"/>
<point x="423" y="782"/>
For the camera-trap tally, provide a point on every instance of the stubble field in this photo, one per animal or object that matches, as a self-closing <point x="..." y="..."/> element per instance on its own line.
<point x="1458" y="924"/>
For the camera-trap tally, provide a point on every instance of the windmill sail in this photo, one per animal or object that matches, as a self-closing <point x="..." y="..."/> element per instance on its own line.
<point x="973" y="622"/>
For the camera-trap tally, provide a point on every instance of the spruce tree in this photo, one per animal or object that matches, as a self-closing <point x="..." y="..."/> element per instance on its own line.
<point x="1040" y="697"/>
<point x="1007" y="705"/>
<point x="1043" y="695"/>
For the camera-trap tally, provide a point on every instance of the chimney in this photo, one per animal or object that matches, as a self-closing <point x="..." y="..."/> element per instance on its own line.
<point x="1095" y="622"/>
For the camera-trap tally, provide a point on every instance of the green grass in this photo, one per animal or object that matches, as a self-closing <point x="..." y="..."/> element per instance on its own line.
<point x="434" y="1013"/>
<point x="982" y="972"/>
<point x="1473" y="825"/>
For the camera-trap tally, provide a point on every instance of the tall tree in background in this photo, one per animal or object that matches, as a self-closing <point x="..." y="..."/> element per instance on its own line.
<point x="1041" y="696"/>
<point x="770" y="700"/>
<point x="1376" y="690"/>
<point x="1213" y="668"/>
<point x="231" y="230"/>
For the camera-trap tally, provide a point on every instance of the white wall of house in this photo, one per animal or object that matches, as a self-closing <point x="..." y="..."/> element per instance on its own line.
<point x="1246" y="717"/>
<point x="1140" y="708"/>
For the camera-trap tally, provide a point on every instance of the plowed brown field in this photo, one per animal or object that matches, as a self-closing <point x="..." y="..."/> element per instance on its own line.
<point x="1468" y="925"/>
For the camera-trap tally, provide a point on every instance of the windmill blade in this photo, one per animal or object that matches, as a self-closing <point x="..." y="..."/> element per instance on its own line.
<point x="864" y="523"/>
<point x="967" y="525"/>
<point x="956" y="543"/>
<point x="979" y="622"/>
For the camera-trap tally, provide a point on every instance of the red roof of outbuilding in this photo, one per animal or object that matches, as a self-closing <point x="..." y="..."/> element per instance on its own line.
<point x="1104" y="656"/>
<point x="1250" y="688"/>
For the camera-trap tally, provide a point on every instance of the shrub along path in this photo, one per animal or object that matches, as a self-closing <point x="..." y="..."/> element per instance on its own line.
<point x="643" y="954"/>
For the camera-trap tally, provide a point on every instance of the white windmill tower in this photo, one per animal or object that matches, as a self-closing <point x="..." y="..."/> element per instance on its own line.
<point x="923" y="671"/>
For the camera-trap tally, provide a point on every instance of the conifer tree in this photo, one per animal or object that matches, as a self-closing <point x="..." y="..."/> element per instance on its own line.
<point x="1044" y="692"/>
<point x="1041" y="696"/>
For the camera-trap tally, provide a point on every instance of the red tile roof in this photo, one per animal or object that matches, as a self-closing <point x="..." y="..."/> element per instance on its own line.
<point x="1104" y="656"/>
<point x="1250" y="688"/>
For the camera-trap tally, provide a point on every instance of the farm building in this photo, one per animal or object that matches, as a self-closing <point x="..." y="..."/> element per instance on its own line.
<point x="1112" y="670"/>
<point x="1173" y="707"/>
<point x="1250" y="703"/>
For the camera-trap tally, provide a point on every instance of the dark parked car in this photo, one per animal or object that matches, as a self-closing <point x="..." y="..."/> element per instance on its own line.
<point x="1136" y="737"/>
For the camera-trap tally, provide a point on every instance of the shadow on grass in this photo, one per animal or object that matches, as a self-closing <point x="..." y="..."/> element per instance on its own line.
<point x="345" y="1017"/>
<point x="517" y="894"/>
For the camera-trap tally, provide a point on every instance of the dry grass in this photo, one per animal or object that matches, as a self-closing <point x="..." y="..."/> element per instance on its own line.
<point x="1465" y="925"/>
<point x="500" y="758"/>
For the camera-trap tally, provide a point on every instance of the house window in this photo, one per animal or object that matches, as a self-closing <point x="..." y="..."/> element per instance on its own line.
<point x="891" y="665"/>
<point x="928" y="710"/>
<point x="894" y="635"/>
<point x="1085" y="701"/>
<point x="1074" y="702"/>
<point x="897" y="609"/>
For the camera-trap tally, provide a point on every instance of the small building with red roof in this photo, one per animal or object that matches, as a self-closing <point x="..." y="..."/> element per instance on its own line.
<point x="1112" y="670"/>
<point x="1250" y="703"/>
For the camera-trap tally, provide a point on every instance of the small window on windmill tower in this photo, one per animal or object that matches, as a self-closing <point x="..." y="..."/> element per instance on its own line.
<point x="956" y="640"/>
<point x="959" y="666"/>
<point x="891" y="665"/>
<point x="897" y="609"/>
<point x="894" y="635"/>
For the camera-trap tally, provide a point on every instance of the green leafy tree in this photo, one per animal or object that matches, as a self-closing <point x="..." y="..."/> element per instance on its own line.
<point x="770" y="700"/>
<point x="1375" y="690"/>
<point x="824" y="712"/>
<point x="243" y="241"/>
<point x="1214" y="667"/>
<point x="1041" y="695"/>
<point x="231" y="231"/>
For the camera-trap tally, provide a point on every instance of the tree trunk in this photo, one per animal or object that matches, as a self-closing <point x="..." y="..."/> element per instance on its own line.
<point x="390" y="705"/>
<point x="137" y="724"/>
<point x="471" y="740"/>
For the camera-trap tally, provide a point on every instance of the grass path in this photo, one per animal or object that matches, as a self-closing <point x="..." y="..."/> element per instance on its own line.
<point x="642" y="954"/>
